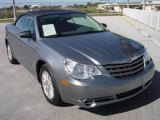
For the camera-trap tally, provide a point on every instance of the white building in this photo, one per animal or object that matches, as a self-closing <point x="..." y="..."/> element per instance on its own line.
<point x="118" y="7"/>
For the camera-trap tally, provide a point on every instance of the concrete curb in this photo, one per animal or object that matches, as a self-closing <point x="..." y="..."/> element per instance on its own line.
<point x="157" y="42"/>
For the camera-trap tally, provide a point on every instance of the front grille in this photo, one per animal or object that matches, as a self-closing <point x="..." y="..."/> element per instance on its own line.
<point x="125" y="70"/>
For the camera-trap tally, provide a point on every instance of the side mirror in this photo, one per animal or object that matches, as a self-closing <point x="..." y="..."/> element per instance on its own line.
<point x="104" y="25"/>
<point x="26" y="34"/>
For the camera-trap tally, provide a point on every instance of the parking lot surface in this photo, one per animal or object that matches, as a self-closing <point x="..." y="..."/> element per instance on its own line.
<point x="21" y="97"/>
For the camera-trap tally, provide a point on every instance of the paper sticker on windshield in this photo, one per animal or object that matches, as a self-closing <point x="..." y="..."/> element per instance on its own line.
<point x="49" y="30"/>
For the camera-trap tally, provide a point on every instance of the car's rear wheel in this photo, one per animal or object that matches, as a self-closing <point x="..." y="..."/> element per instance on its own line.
<point x="49" y="86"/>
<point x="10" y="55"/>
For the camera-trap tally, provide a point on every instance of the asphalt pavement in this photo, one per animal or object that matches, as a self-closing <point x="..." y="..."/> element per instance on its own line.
<point x="21" y="97"/>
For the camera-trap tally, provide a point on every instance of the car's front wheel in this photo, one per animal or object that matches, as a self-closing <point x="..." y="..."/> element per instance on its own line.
<point x="10" y="55"/>
<point x="49" y="86"/>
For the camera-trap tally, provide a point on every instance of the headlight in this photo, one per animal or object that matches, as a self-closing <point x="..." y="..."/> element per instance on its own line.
<point x="147" y="58"/>
<point x="80" y="71"/>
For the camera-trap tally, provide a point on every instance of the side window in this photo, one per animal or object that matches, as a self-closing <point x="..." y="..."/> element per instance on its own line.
<point x="19" y="22"/>
<point x="26" y="23"/>
<point x="82" y="21"/>
<point x="70" y="21"/>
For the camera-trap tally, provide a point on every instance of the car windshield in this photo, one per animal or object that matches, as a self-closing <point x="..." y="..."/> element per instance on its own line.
<point x="56" y="25"/>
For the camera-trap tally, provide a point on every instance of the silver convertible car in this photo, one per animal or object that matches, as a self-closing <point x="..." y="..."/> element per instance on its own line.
<point x="76" y="59"/>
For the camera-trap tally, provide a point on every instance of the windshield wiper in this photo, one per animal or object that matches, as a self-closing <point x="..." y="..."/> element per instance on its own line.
<point x="52" y="36"/>
<point x="79" y="33"/>
<point x="93" y="32"/>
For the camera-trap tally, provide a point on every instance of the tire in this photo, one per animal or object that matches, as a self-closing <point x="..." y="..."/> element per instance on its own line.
<point x="10" y="55"/>
<point x="47" y="79"/>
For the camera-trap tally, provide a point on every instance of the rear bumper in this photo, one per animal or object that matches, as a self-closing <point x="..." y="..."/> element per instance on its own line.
<point x="102" y="90"/>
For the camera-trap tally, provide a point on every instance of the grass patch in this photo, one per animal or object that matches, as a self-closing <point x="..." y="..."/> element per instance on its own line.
<point x="7" y="21"/>
<point x="105" y="14"/>
<point x="90" y="9"/>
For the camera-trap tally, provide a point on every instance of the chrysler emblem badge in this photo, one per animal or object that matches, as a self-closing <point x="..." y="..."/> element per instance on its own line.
<point x="132" y="59"/>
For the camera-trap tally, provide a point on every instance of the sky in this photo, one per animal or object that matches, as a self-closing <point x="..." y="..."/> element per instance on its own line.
<point x="20" y="1"/>
<point x="65" y="2"/>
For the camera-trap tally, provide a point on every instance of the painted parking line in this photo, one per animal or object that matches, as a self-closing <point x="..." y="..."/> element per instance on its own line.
<point x="127" y="21"/>
<point x="156" y="41"/>
<point x="145" y="34"/>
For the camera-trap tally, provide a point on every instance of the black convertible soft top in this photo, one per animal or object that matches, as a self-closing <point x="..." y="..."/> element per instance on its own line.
<point x="43" y="12"/>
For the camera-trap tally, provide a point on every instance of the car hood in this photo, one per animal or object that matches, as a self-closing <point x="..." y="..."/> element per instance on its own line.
<point x="97" y="48"/>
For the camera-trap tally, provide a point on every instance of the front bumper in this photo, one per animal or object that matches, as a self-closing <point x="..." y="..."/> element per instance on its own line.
<point x="101" y="90"/>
